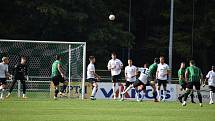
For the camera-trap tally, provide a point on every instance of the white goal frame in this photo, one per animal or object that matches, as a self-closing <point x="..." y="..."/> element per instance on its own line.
<point x="69" y="48"/>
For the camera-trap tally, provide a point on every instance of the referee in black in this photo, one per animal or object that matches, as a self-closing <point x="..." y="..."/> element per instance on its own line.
<point x="20" y="72"/>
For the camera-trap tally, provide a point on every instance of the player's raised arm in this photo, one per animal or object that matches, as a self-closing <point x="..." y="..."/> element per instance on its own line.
<point x="60" y="69"/>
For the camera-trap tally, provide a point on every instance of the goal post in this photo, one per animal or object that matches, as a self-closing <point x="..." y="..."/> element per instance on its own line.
<point x="40" y="56"/>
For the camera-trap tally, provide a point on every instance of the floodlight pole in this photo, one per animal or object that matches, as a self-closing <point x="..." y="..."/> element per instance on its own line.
<point x="171" y="37"/>
<point x="129" y="28"/>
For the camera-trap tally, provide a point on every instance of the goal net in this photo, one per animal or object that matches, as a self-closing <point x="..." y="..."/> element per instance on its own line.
<point x="40" y="56"/>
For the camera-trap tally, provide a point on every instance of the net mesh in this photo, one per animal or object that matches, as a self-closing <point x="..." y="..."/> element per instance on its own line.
<point x="40" y="57"/>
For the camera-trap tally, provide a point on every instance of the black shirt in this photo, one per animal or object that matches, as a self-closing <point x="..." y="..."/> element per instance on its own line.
<point x="20" y="70"/>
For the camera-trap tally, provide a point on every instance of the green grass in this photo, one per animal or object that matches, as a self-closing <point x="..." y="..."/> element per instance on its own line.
<point x="15" y="109"/>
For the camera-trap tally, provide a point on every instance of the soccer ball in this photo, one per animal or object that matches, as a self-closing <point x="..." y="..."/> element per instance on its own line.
<point x="111" y="17"/>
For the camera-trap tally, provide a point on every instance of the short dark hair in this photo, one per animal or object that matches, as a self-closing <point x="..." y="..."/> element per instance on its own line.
<point x="58" y="57"/>
<point x="91" y="57"/>
<point x="192" y="62"/>
<point x="113" y="53"/>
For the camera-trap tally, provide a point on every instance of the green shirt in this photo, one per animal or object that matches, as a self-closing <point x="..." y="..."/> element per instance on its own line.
<point x="194" y="73"/>
<point x="153" y="69"/>
<point x="55" y="70"/>
<point x="181" y="72"/>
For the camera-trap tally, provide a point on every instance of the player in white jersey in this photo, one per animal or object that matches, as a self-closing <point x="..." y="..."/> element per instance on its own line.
<point x="3" y="75"/>
<point x="141" y="82"/>
<point x="210" y="77"/>
<point x="115" y="66"/>
<point x="130" y="75"/>
<point x="162" y="74"/>
<point x="92" y="77"/>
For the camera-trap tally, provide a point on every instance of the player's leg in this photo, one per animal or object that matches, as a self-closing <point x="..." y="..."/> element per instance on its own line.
<point x="24" y="88"/>
<point x="197" y="86"/>
<point x="212" y="90"/>
<point x="63" y="89"/>
<point x="192" y="97"/>
<point x="128" y="86"/>
<point x="55" y="81"/>
<point x="114" y="80"/>
<point x="152" y="84"/>
<point x="186" y="94"/>
<point x="11" y="88"/>
<point x="3" y="87"/>
<point x="95" y="89"/>
<point x="164" y="89"/>
<point x="158" y="89"/>
<point x="183" y="89"/>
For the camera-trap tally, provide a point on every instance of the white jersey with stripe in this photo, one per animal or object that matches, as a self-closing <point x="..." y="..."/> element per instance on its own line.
<point x="144" y="74"/>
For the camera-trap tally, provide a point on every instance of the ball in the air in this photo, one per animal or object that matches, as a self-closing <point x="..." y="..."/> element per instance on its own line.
<point x="111" y="17"/>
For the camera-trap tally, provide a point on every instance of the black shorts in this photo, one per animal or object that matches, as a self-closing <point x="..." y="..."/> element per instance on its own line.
<point x="194" y="83"/>
<point x="91" y="80"/>
<point x="116" y="78"/>
<point x="212" y="88"/>
<point x="151" y="78"/>
<point x="127" y="84"/>
<point x="138" y="83"/>
<point x="184" y="86"/>
<point x="3" y="81"/>
<point x="57" y="79"/>
<point x="162" y="82"/>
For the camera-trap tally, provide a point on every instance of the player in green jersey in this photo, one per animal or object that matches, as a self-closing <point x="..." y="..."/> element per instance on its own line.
<point x="152" y="77"/>
<point x="58" y="76"/>
<point x="182" y="82"/>
<point x="193" y="77"/>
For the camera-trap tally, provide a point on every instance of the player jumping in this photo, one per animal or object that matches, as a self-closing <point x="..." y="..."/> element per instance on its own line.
<point x="58" y="76"/>
<point x="3" y="75"/>
<point x="92" y="77"/>
<point x="20" y="72"/>
<point x="115" y="66"/>
<point x="210" y="77"/>
<point x="193" y="77"/>
<point x="130" y="76"/>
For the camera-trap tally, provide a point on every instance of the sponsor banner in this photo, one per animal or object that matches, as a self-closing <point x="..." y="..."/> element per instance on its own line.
<point x="204" y="91"/>
<point x="105" y="91"/>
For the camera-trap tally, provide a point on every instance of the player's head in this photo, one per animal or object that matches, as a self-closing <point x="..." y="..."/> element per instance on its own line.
<point x="213" y="68"/>
<point x="113" y="55"/>
<point x="162" y="59"/>
<point x="92" y="59"/>
<point x="23" y="60"/>
<point x="145" y="65"/>
<point x="129" y="61"/>
<point x="182" y="65"/>
<point x="192" y="62"/>
<point x="156" y="60"/>
<point x="58" y="57"/>
<point x="5" y="60"/>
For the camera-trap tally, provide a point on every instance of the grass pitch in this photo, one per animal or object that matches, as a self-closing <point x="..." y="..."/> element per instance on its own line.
<point x="101" y="110"/>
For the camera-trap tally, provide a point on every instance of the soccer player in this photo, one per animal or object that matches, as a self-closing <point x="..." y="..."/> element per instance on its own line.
<point x="92" y="77"/>
<point x="162" y="75"/>
<point x="20" y="72"/>
<point x="115" y="65"/>
<point x="152" y="77"/>
<point x="130" y="75"/>
<point x="193" y="77"/>
<point x="58" y="76"/>
<point x="210" y="77"/>
<point x="141" y="82"/>
<point x="3" y="75"/>
<point x="182" y="82"/>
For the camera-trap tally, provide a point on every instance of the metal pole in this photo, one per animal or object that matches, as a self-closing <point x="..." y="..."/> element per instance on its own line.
<point x="84" y="68"/>
<point x="193" y="23"/>
<point x="129" y="27"/>
<point x="171" y="37"/>
<point x="70" y="71"/>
